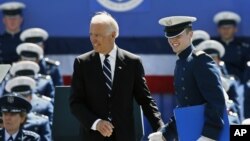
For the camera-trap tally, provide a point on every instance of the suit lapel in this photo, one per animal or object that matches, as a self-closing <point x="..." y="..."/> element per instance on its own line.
<point x="97" y="71"/>
<point x="119" y="66"/>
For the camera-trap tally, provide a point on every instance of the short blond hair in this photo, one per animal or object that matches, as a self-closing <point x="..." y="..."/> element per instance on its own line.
<point x="105" y="17"/>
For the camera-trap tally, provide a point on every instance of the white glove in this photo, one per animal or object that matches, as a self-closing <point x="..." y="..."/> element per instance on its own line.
<point x="203" y="138"/>
<point x="156" y="136"/>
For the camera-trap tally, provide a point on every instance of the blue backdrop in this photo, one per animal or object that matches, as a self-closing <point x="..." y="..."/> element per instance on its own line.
<point x="71" y="17"/>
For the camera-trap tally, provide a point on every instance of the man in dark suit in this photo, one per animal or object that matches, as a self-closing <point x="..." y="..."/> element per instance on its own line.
<point x="196" y="81"/>
<point x="105" y="82"/>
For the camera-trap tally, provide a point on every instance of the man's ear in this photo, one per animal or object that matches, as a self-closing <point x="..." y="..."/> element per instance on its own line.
<point x="190" y="33"/>
<point x="113" y="34"/>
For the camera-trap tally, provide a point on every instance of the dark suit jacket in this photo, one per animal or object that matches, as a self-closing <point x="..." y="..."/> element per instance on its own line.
<point x="89" y="99"/>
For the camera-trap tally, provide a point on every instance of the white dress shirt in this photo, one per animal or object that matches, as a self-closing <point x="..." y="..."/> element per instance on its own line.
<point x="112" y="59"/>
<point x="7" y="135"/>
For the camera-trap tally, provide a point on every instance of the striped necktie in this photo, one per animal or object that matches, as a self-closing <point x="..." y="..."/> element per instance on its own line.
<point x="107" y="73"/>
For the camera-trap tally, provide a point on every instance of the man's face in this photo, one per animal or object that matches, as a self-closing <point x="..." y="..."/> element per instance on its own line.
<point x="180" y="42"/>
<point x="12" y="23"/>
<point x="12" y="121"/>
<point x="227" y="32"/>
<point x="101" y="37"/>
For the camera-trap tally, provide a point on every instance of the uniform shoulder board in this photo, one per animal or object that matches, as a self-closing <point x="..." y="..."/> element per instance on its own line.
<point x="52" y="62"/>
<point x="198" y="52"/>
<point x="45" y="98"/>
<point x="41" y="115"/>
<point x="30" y="133"/>
<point x="44" y="76"/>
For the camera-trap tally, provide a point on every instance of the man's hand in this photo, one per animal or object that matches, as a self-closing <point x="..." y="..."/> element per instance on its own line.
<point x="156" y="136"/>
<point x="105" y="128"/>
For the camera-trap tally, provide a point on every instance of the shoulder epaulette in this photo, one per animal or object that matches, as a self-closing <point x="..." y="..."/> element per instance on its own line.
<point x="198" y="52"/>
<point x="44" y="76"/>
<point x="44" y="97"/>
<point x="30" y="133"/>
<point x="52" y="62"/>
<point x="41" y="115"/>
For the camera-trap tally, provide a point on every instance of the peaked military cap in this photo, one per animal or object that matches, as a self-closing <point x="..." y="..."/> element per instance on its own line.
<point x="21" y="84"/>
<point x="226" y="18"/>
<point x="24" y="68"/>
<point x="199" y="36"/>
<point x="212" y="47"/>
<point x="175" y="25"/>
<point x="12" y="8"/>
<point x="29" y="51"/>
<point x="34" y="35"/>
<point x="14" y="103"/>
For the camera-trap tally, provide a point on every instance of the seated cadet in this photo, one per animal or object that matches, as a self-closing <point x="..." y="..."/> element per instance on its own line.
<point x="47" y="66"/>
<point x="30" y="52"/>
<point x="14" y="113"/>
<point x="37" y="119"/>
<point x="40" y="104"/>
<point x="216" y="50"/>
<point x="12" y="20"/>
<point x="44" y="85"/>
<point x="236" y="50"/>
<point x="199" y="36"/>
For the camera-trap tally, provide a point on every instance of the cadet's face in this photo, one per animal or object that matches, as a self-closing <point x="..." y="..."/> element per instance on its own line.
<point x="180" y="42"/>
<point x="227" y="32"/>
<point x="12" y="23"/>
<point x="101" y="38"/>
<point x="12" y="121"/>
